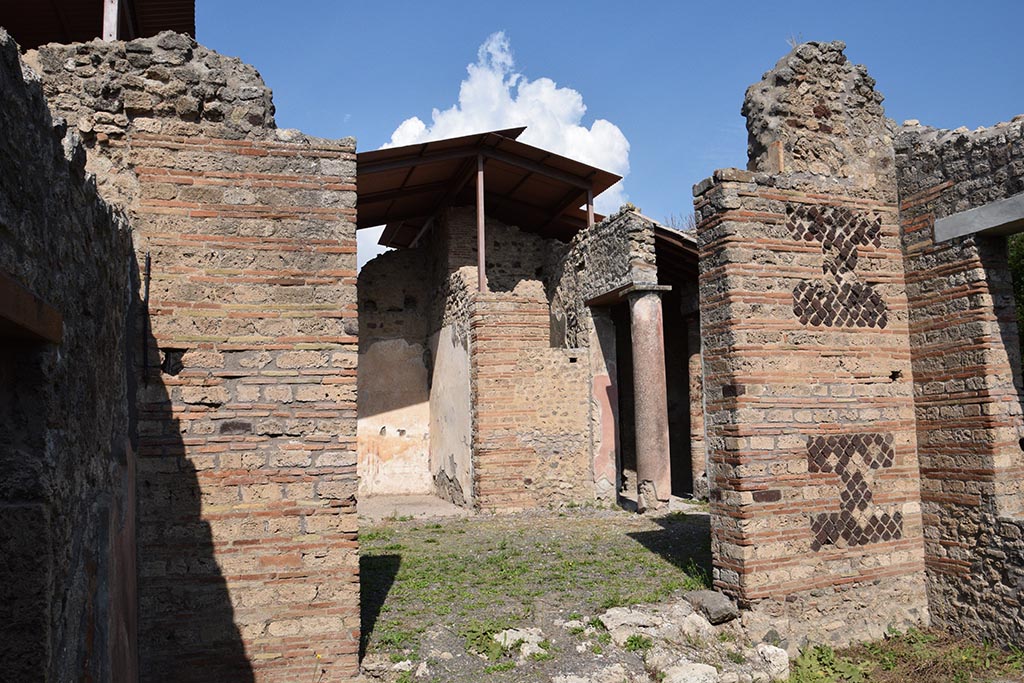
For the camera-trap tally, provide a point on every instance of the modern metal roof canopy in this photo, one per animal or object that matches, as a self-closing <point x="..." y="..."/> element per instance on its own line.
<point x="37" y="22"/>
<point x="404" y="188"/>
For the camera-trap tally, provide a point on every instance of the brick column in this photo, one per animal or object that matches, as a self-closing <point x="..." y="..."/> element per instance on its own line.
<point x="810" y="422"/>
<point x="653" y="473"/>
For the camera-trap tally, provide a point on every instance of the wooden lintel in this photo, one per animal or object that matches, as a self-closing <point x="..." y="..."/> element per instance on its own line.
<point x="26" y="317"/>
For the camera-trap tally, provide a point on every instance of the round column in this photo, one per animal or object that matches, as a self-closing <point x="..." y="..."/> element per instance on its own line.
<point x="653" y="469"/>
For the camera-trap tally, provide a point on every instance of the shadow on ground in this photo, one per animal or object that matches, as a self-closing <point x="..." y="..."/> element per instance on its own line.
<point x="684" y="540"/>
<point x="376" y="576"/>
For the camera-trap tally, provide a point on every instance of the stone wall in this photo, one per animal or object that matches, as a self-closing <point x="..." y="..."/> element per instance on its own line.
<point x="966" y="361"/>
<point x="586" y="279"/>
<point x="815" y="116"/>
<point x="67" y="511"/>
<point x="812" y="443"/>
<point x="608" y="257"/>
<point x="247" y="472"/>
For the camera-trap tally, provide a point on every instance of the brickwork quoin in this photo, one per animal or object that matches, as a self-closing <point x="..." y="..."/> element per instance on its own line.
<point x="811" y="435"/>
<point x="247" y="523"/>
<point x="806" y="362"/>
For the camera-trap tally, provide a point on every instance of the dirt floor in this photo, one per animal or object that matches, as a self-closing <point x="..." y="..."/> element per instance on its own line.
<point x="436" y="591"/>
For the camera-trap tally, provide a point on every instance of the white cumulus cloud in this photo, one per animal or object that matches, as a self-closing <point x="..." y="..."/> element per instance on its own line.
<point x="494" y="96"/>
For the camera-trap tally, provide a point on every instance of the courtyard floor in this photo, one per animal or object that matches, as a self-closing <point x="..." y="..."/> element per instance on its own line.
<point x="434" y="591"/>
<point x="437" y="586"/>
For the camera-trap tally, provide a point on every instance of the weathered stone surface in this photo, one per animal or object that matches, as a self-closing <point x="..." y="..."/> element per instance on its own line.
<point x="67" y="507"/>
<point x="818" y="119"/>
<point x="616" y="673"/>
<point x="806" y="342"/>
<point x="246" y="380"/>
<point x="690" y="672"/>
<point x="697" y="627"/>
<point x="717" y="607"/>
<point x="526" y="640"/>
<point x="776" y="661"/>
<point x="966" y="361"/>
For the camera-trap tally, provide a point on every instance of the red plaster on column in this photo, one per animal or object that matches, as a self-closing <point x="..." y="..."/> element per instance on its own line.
<point x="654" y="479"/>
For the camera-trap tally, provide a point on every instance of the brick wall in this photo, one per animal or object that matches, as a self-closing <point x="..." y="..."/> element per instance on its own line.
<point x="67" y="513"/>
<point x="531" y="443"/>
<point x="247" y="524"/>
<point x="967" y="376"/>
<point x="808" y="391"/>
<point x="810" y="424"/>
<point x="530" y="401"/>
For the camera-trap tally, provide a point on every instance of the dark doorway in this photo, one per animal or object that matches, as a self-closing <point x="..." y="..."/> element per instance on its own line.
<point x="677" y="376"/>
<point x="626" y="460"/>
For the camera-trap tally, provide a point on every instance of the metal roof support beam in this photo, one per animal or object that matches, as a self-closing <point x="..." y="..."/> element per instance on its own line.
<point x="388" y="195"/>
<point x="539" y="211"/>
<point x="481" y="250"/>
<point x="590" y="206"/>
<point x="573" y="197"/>
<point x="463" y="176"/>
<point x="448" y="155"/>
<point x="534" y="167"/>
<point x="111" y="18"/>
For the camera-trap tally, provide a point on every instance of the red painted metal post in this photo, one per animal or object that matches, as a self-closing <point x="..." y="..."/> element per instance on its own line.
<point x="590" y="207"/>
<point x="481" y="251"/>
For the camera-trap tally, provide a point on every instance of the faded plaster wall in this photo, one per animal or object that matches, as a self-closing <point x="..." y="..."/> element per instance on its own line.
<point x="451" y="416"/>
<point x="67" y="466"/>
<point x="394" y="378"/>
<point x="604" y="405"/>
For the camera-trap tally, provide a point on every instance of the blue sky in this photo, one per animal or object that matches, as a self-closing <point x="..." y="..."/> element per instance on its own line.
<point x="669" y="76"/>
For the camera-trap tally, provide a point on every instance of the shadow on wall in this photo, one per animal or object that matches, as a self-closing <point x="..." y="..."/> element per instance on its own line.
<point x="376" y="576"/>
<point x="684" y="540"/>
<point x="993" y="253"/>
<point x="186" y="618"/>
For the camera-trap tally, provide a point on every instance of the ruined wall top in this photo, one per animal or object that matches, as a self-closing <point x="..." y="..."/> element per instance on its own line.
<point x="816" y="117"/>
<point x="160" y="84"/>
<point x="980" y="166"/>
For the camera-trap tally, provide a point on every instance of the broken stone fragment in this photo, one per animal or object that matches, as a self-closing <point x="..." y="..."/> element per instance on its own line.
<point x="776" y="661"/>
<point x="690" y="672"/>
<point x="615" y="673"/>
<point x="696" y="627"/>
<point x="714" y="605"/>
<point x="529" y="640"/>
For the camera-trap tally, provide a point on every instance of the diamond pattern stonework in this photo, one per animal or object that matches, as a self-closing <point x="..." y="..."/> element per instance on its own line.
<point x="839" y="300"/>
<point x="851" y="457"/>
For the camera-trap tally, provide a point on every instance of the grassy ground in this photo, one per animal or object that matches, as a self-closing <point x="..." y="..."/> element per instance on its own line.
<point x="925" y="656"/>
<point x="476" y="576"/>
<point x="436" y="592"/>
